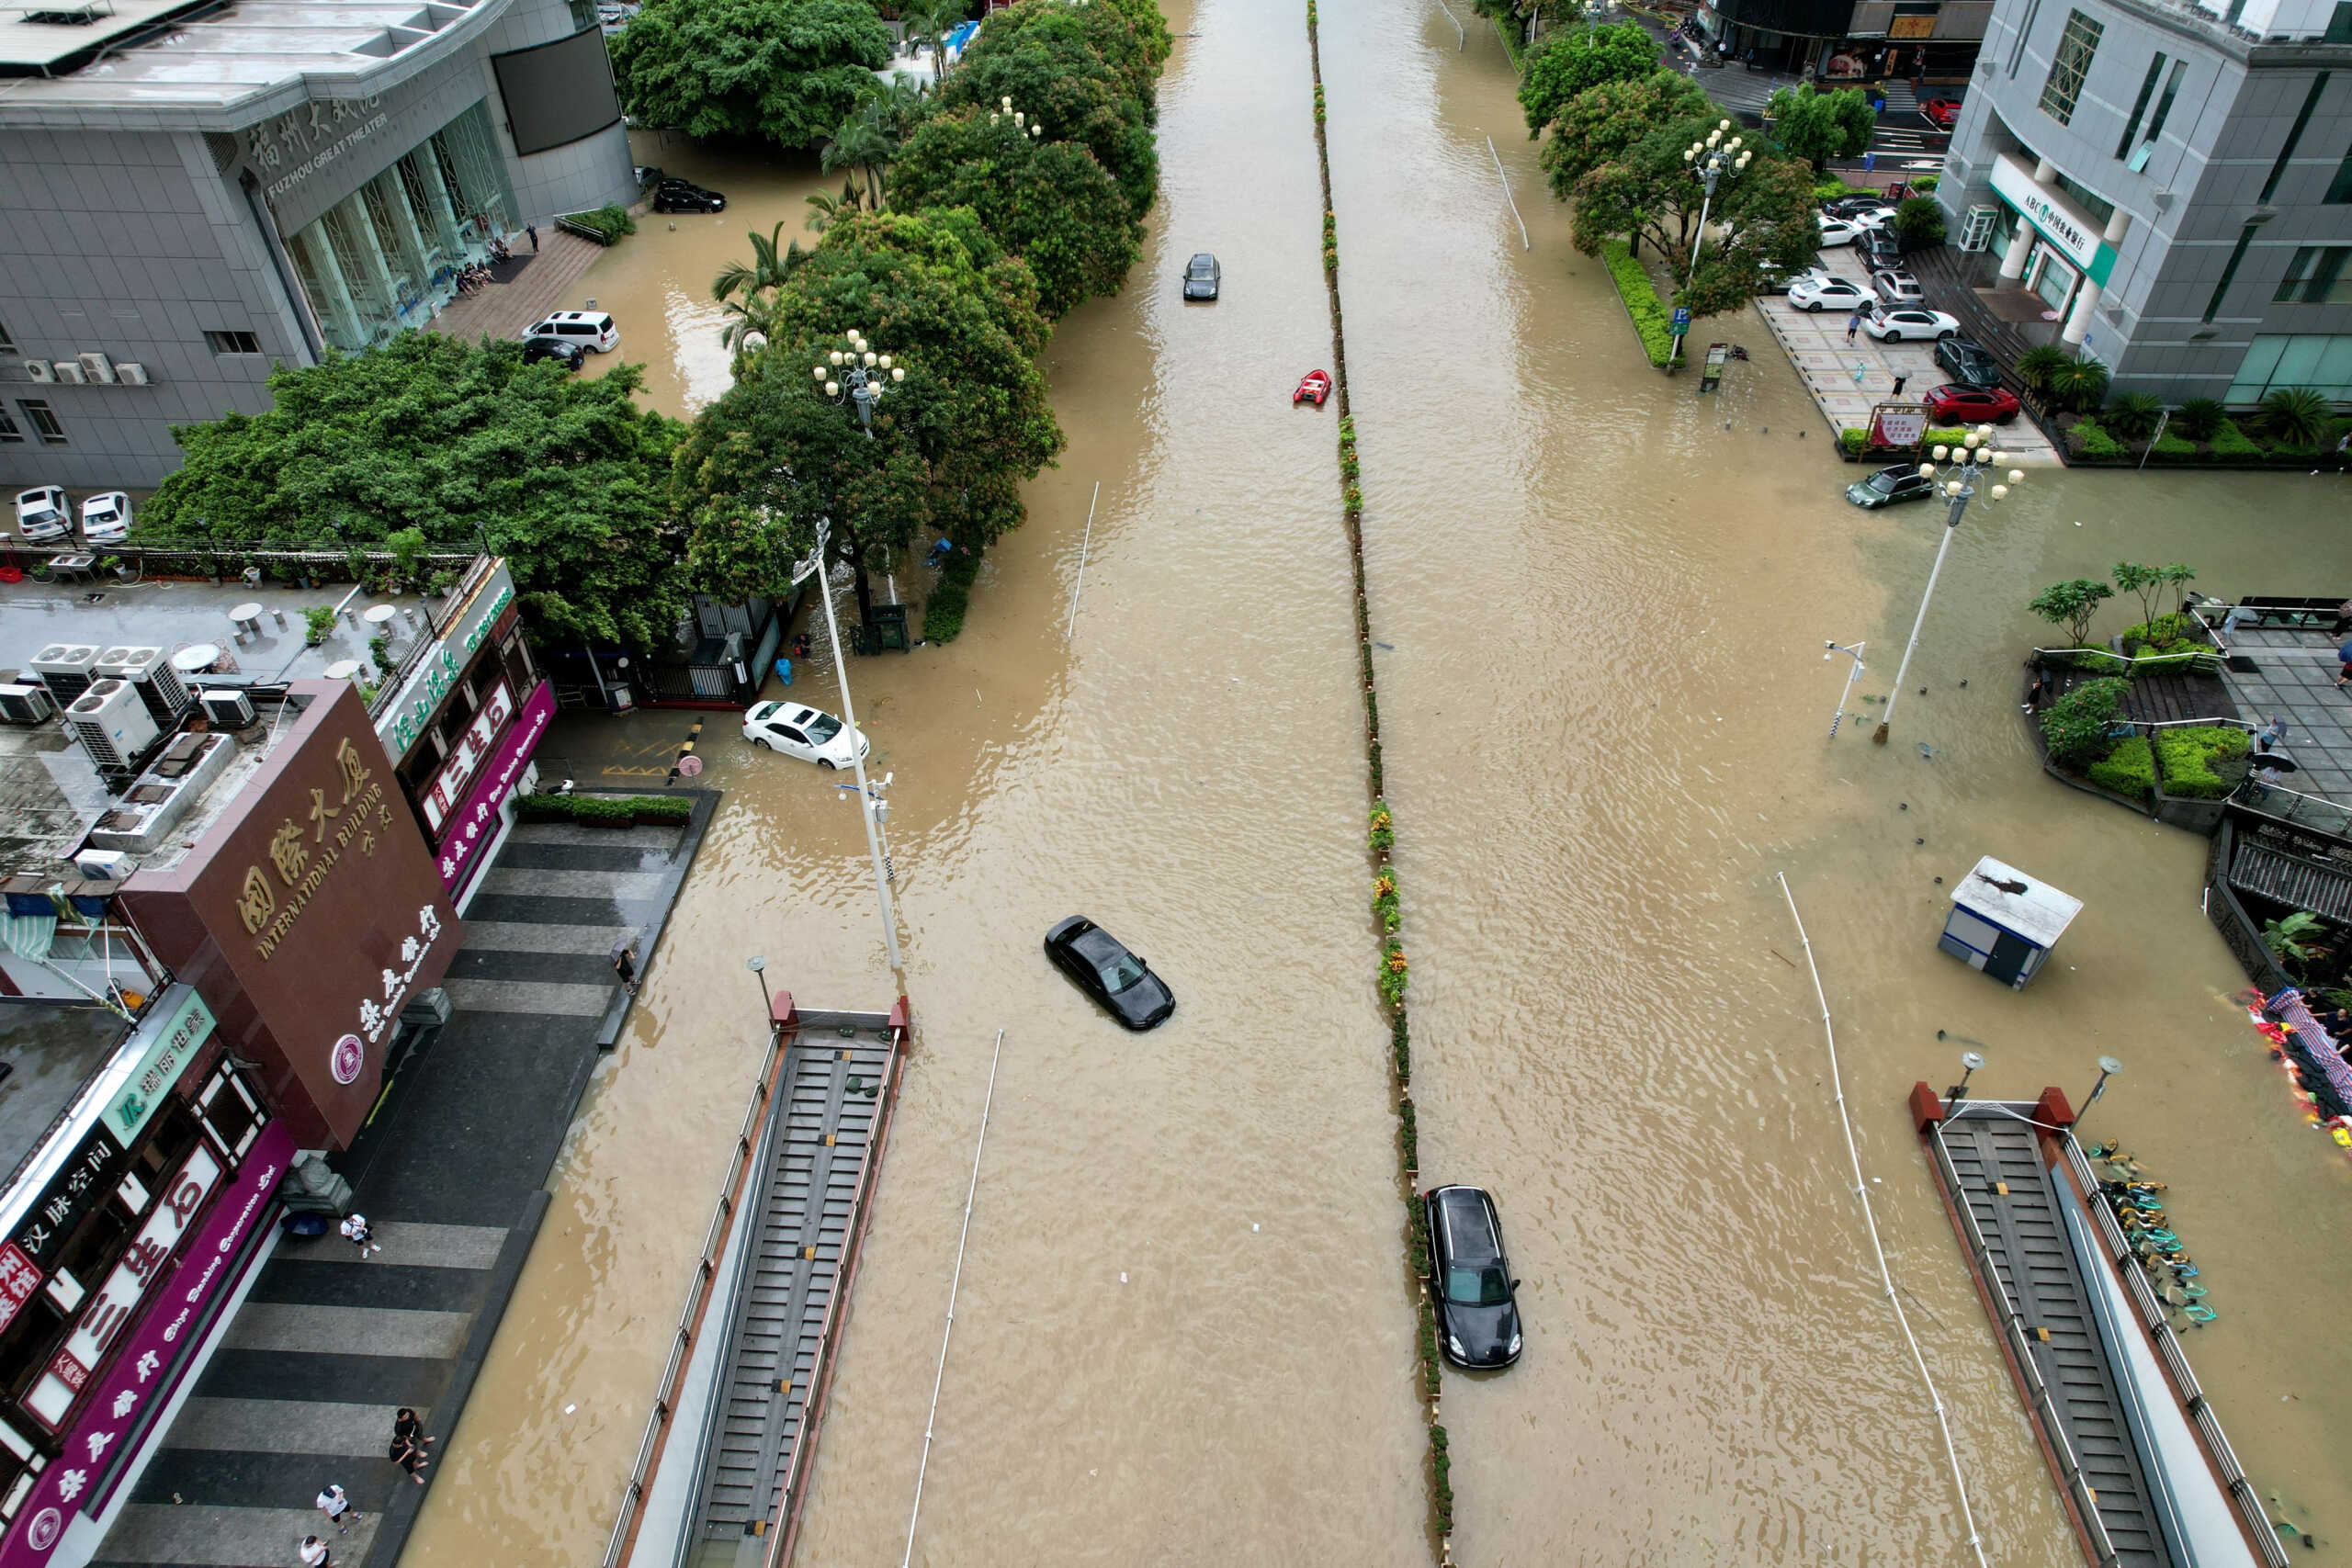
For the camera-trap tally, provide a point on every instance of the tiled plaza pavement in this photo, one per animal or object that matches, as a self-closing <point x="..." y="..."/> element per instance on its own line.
<point x="1816" y="346"/>
<point x="450" y="1171"/>
<point x="2294" y="679"/>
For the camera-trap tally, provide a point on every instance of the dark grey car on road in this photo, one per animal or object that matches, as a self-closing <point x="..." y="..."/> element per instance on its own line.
<point x="1477" y="1305"/>
<point x="1201" y="276"/>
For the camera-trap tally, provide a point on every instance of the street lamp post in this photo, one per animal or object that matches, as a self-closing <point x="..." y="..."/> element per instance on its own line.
<point x="1845" y="695"/>
<point x="1970" y="460"/>
<point x="1711" y="160"/>
<point x="1968" y="1062"/>
<point x="2107" y="1068"/>
<point x="758" y="968"/>
<point x="857" y="378"/>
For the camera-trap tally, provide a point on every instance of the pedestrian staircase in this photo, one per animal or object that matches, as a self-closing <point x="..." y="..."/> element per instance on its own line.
<point x="813" y="1172"/>
<point x="1994" y="1164"/>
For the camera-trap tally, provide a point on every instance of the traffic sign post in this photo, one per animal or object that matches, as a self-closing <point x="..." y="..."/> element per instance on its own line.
<point x="1681" y="324"/>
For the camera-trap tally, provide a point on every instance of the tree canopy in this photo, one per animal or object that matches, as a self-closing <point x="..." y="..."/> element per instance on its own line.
<point x="1758" y="216"/>
<point x="953" y="442"/>
<point x="1817" y="126"/>
<point x="1132" y="41"/>
<point x="1048" y="202"/>
<point x="787" y="70"/>
<point x="464" y="443"/>
<point x="1605" y="121"/>
<point x="1069" y="90"/>
<point x="1578" y="60"/>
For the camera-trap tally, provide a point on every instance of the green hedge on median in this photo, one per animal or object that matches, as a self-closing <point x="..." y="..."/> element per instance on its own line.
<point x="1651" y="318"/>
<point x="668" y="809"/>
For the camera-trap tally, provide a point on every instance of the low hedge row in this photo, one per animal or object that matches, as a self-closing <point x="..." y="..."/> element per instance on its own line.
<point x="2196" y="760"/>
<point x="1652" y="320"/>
<point x="605" y="225"/>
<point x="604" y="810"/>
<point x="2130" y="770"/>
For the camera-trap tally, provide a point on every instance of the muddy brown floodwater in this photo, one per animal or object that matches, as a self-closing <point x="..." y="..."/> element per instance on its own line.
<point x="1600" y="601"/>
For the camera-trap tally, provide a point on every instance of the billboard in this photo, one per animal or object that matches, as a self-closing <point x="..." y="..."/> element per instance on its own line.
<point x="307" y="916"/>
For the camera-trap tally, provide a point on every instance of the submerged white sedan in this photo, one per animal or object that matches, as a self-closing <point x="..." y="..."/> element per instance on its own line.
<point x="810" y="733"/>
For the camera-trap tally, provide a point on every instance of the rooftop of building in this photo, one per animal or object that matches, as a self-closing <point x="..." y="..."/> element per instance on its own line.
<point x="53" y="798"/>
<point x="128" y="54"/>
<point x="51" y="1051"/>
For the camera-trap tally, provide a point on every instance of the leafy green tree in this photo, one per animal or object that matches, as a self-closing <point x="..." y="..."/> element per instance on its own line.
<point x="1761" y="218"/>
<point x="746" y="292"/>
<point x="936" y="292"/>
<point x="929" y="22"/>
<point x="1816" y="125"/>
<point x="1059" y="80"/>
<point x="2075" y="725"/>
<point x="2147" y="582"/>
<point x="2080" y="384"/>
<point x="862" y="142"/>
<point x="1602" y="124"/>
<point x="1919" y="221"/>
<point x="2072" y="604"/>
<point x="1131" y="40"/>
<point x="466" y="444"/>
<point x="2298" y="416"/>
<point x="1577" y="61"/>
<point x="1048" y="202"/>
<point x="789" y="71"/>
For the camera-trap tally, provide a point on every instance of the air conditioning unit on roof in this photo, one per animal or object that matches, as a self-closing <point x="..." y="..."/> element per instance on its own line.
<point x="131" y="375"/>
<point x="68" y="372"/>
<point x="97" y="367"/>
<point x="39" y="371"/>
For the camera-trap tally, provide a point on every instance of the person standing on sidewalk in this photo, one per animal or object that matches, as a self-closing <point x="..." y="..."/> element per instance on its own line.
<point x="408" y="1444"/>
<point x="1898" y="385"/>
<point x="338" y="1508"/>
<point x="1853" y="325"/>
<point x="532" y="231"/>
<point x="625" y="965"/>
<point x="314" y="1553"/>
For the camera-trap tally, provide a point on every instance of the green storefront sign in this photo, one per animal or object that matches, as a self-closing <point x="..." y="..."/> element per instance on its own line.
<point x="177" y="1032"/>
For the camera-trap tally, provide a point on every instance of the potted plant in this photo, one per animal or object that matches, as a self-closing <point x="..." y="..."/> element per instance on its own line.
<point x="317" y="622"/>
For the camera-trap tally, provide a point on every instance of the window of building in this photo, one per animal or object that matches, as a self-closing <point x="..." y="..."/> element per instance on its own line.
<point x="8" y="343"/>
<point x="2294" y="135"/>
<point x="2139" y="104"/>
<point x="2339" y="189"/>
<point x="2163" y="108"/>
<point x="2339" y="25"/>
<point x="2274" y="360"/>
<point x="9" y="429"/>
<point x="233" y="342"/>
<point x="44" y="423"/>
<point x="2076" y="47"/>
<point x="2090" y="201"/>
<point x="2317" y="277"/>
<point x="2230" y="271"/>
<point x="230" y="1117"/>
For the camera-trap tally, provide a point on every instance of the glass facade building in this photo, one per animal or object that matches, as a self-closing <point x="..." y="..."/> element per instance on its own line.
<point x="386" y="256"/>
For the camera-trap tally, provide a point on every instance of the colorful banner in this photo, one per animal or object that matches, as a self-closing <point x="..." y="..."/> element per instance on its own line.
<point x="476" y="823"/>
<point x="174" y="1037"/>
<point x="152" y="1357"/>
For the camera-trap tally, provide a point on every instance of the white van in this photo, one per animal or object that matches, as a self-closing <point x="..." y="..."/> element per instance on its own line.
<point x="589" y="329"/>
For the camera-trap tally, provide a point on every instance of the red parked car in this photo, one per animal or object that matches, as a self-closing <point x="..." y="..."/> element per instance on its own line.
<point x="1956" y="405"/>
<point x="1315" y="384"/>
<point x="1941" y="112"/>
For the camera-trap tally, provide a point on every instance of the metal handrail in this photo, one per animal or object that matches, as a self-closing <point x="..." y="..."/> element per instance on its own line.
<point x="2256" y="789"/>
<point x="388" y="693"/>
<point x="706" y="1270"/>
<point x="2202" y="661"/>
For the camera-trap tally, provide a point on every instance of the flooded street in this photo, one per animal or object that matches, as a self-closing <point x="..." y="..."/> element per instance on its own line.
<point x="1600" y="600"/>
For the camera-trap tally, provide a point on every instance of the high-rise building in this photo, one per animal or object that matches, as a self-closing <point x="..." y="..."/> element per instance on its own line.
<point x="191" y="191"/>
<point x="2174" y="182"/>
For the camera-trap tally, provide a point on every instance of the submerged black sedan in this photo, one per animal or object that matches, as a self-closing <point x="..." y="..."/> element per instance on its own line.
<point x="1100" y="964"/>
<point x="1477" y="1307"/>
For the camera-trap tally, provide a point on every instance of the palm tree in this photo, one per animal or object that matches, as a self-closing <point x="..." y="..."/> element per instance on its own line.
<point x="756" y="285"/>
<point x="929" y="21"/>
<point x="862" y="142"/>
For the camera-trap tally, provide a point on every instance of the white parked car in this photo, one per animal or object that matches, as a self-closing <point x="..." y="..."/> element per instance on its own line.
<point x="1897" y="288"/>
<point x="1828" y="293"/>
<point x="810" y="733"/>
<point x="1898" y="326"/>
<point x="106" y="517"/>
<point x="43" y="513"/>
<point x="1838" y="231"/>
<point x="588" y="329"/>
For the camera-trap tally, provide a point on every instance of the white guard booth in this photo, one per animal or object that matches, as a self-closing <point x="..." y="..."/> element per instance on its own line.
<point x="2005" y="923"/>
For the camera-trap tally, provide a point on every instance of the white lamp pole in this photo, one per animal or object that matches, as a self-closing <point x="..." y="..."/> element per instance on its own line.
<point x="1711" y="160"/>
<point x="1973" y="458"/>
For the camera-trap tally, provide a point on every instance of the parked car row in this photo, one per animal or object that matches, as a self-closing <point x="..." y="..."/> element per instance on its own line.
<point x="44" y="515"/>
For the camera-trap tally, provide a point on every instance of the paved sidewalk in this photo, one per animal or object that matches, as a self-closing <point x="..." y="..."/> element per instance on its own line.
<point x="1816" y="346"/>
<point x="451" y="1170"/>
<point x="2293" y="677"/>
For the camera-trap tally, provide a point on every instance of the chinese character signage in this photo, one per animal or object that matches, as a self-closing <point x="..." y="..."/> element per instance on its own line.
<point x="1897" y="425"/>
<point x="176" y="1031"/>
<point x="147" y="1359"/>
<point x="314" y="886"/>
<point x="85" y="1181"/>
<point x="19" y="1280"/>
<point x="465" y="756"/>
<point x="404" y="722"/>
<point x="476" y="823"/>
<point x="2068" y="227"/>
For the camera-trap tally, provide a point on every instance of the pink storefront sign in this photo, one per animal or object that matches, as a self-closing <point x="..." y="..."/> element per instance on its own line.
<point x="475" y="823"/>
<point x="152" y="1359"/>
